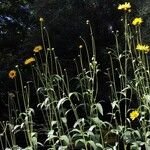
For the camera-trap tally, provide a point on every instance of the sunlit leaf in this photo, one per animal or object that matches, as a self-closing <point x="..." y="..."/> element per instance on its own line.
<point x="92" y="144"/>
<point x="92" y="127"/>
<point x="64" y="138"/>
<point x="99" y="108"/>
<point x="81" y="141"/>
<point x="79" y="122"/>
<point x="64" y="120"/>
<point x="97" y="121"/>
<point x="62" y="148"/>
<point x="53" y="122"/>
<point x="137" y="133"/>
<point x="61" y="101"/>
<point x="100" y="146"/>
<point x="147" y="134"/>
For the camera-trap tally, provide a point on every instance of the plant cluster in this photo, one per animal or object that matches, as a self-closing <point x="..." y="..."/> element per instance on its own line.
<point x="129" y="96"/>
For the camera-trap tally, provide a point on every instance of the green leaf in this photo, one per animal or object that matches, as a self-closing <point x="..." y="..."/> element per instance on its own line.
<point x="73" y="93"/>
<point x="16" y="128"/>
<point x="97" y="121"/>
<point x="99" y="145"/>
<point x="79" y="122"/>
<point x="62" y="148"/>
<point x="147" y="134"/>
<point x="100" y="108"/>
<point x="115" y="131"/>
<point x="64" y="120"/>
<point x="80" y="140"/>
<point x="76" y="130"/>
<point x="53" y="123"/>
<point x="40" y="144"/>
<point x="34" y="141"/>
<point x="137" y="134"/>
<point x="89" y="133"/>
<point x="147" y="146"/>
<point x="120" y="128"/>
<point x="65" y="138"/>
<point x="92" y="144"/>
<point x="51" y="135"/>
<point x="92" y="127"/>
<point x="28" y="148"/>
<point x="114" y="104"/>
<point x="22" y="125"/>
<point x="57" y="77"/>
<point x="77" y="135"/>
<point x="33" y="134"/>
<point x="61" y="101"/>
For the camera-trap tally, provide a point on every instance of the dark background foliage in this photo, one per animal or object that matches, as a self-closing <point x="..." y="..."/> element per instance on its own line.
<point x="65" y="21"/>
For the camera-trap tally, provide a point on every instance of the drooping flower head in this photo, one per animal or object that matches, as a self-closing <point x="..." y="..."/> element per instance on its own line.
<point x="41" y="19"/>
<point x="137" y="21"/>
<point x="143" y="48"/>
<point x="134" y="114"/>
<point x="12" y="74"/>
<point x="29" y="60"/>
<point x="126" y="6"/>
<point x="37" y="48"/>
<point x="80" y="46"/>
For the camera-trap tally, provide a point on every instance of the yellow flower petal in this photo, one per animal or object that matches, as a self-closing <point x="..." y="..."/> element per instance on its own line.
<point x="137" y="21"/>
<point x="12" y="74"/>
<point x="37" y="49"/>
<point x="134" y="114"/>
<point x="144" y="48"/>
<point x="126" y="6"/>
<point x="29" y="60"/>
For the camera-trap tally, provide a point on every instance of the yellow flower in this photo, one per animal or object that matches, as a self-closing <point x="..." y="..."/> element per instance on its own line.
<point x="126" y="6"/>
<point x="37" y="49"/>
<point x="137" y="21"/>
<point x="134" y="114"/>
<point x="29" y="60"/>
<point x="144" y="48"/>
<point x="41" y="19"/>
<point x="12" y="74"/>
